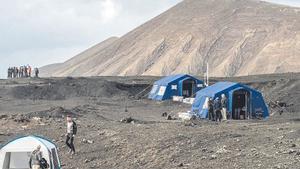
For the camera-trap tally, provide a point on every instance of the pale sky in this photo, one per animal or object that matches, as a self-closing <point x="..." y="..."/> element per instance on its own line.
<point x="41" y="32"/>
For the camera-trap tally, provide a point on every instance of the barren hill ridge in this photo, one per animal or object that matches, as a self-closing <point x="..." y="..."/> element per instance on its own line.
<point x="236" y="37"/>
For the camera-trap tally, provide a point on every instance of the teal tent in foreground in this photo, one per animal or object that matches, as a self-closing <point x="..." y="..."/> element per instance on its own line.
<point x="16" y="153"/>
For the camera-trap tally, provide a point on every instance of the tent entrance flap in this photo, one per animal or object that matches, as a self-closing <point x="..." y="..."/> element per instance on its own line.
<point x="241" y="104"/>
<point x="188" y="88"/>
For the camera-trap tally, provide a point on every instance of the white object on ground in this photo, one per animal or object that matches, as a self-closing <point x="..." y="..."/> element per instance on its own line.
<point x="186" y="116"/>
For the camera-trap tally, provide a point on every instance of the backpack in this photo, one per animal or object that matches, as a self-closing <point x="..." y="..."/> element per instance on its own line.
<point x="44" y="164"/>
<point x="74" y="128"/>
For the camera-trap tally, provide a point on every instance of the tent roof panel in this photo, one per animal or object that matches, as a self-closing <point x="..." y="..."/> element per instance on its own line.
<point x="221" y="86"/>
<point x="29" y="140"/>
<point x="168" y="79"/>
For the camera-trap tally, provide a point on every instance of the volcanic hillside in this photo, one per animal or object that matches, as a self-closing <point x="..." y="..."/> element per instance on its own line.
<point x="236" y="37"/>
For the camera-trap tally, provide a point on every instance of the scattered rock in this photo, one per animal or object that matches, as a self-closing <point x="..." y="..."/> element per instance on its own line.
<point x="203" y="158"/>
<point x="87" y="141"/>
<point x="213" y="157"/>
<point x="90" y="141"/>
<point x="3" y="117"/>
<point x="180" y="165"/>
<point x="165" y="114"/>
<point x="127" y="120"/>
<point x="21" y="119"/>
<point x="278" y="166"/>
<point x="222" y="150"/>
<point x="291" y="151"/>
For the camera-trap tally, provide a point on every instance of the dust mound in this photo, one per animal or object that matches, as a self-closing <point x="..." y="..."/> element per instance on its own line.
<point x="75" y="87"/>
<point x="54" y="112"/>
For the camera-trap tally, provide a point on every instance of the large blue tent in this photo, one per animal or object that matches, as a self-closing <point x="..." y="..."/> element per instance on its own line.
<point x="175" y="85"/>
<point x="243" y="101"/>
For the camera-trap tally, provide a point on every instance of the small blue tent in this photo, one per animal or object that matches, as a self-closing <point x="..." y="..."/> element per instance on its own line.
<point x="175" y="85"/>
<point x="243" y="101"/>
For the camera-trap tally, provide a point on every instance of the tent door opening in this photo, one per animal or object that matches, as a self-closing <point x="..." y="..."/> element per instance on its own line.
<point x="240" y="105"/>
<point x="188" y="88"/>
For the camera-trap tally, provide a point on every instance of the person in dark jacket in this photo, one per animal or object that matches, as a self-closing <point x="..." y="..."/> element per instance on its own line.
<point x="36" y="72"/>
<point x="217" y="109"/>
<point x="211" y="113"/>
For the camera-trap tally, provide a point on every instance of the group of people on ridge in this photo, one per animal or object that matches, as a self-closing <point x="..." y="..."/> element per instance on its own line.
<point x="217" y="109"/>
<point x="22" y="72"/>
<point x="37" y="161"/>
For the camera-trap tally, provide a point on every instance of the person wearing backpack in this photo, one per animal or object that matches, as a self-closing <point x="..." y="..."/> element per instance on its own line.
<point x="35" y="158"/>
<point x="71" y="132"/>
<point x="217" y="109"/>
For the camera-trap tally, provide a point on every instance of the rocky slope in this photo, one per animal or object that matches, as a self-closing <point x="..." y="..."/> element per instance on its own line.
<point x="236" y="37"/>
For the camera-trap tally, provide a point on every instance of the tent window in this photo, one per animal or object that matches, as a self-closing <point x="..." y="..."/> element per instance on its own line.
<point x="19" y="160"/>
<point x="174" y="87"/>
<point x="55" y="160"/>
<point x="154" y="89"/>
<point x="162" y="90"/>
<point x="199" y="85"/>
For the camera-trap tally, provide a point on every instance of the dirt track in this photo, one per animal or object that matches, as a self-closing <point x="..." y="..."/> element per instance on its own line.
<point x="150" y="141"/>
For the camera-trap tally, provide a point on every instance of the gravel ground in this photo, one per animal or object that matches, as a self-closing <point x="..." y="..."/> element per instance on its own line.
<point x="149" y="141"/>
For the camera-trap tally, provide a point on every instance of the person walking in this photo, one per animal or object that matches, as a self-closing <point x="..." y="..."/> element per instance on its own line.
<point x="217" y="109"/>
<point x="35" y="158"/>
<point x="224" y="107"/>
<point x="71" y="132"/>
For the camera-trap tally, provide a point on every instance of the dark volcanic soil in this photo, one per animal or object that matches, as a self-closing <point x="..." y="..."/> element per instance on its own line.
<point x="150" y="141"/>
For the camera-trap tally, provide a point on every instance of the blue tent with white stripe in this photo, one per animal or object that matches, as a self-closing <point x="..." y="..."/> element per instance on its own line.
<point x="175" y="85"/>
<point x="243" y="102"/>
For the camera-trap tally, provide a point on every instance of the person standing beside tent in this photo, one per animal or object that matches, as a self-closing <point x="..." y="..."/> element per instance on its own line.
<point x="26" y="71"/>
<point x="35" y="158"/>
<point x="224" y="107"/>
<point x="217" y="108"/>
<point x="71" y="132"/>
<point x="211" y="114"/>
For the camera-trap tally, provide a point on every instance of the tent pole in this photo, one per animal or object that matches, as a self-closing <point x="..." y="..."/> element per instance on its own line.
<point x="207" y="74"/>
